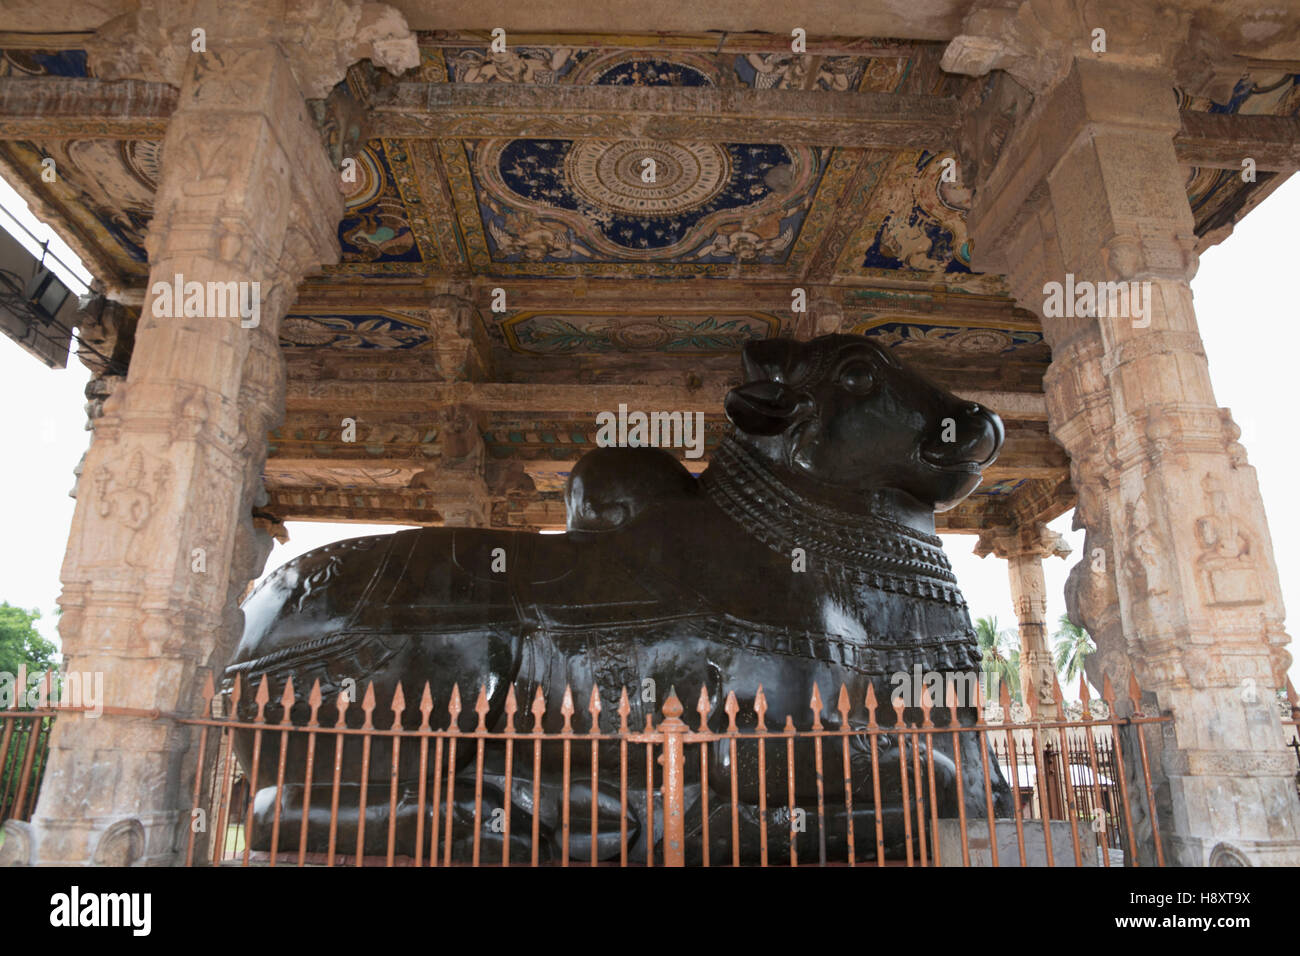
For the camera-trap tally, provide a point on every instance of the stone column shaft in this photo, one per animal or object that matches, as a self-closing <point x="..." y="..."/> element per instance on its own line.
<point x="162" y="540"/>
<point x="1029" y="597"/>
<point x="1024" y="548"/>
<point x="1089" y="191"/>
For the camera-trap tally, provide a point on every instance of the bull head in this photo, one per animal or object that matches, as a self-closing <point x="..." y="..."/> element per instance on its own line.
<point x="840" y="415"/>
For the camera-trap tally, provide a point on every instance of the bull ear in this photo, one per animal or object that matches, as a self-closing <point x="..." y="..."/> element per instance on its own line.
<point x="760" y="408"/>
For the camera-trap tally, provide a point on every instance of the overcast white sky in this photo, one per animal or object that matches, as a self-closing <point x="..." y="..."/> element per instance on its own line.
<point x="1245" y="300"/>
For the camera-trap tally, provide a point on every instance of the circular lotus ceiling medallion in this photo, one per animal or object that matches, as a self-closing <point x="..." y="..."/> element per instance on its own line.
<point x="617" y="176"/>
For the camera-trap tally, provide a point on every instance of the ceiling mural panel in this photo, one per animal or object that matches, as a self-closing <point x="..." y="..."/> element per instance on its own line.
<point x="519" y="65"/>
<point x="552" y="66"/>
<point x="44" y="63"/>
<point x="790" y="71"/>
<point x="948" y="329"/>
<point x="629" y="201"/>
<point x="106" y="187"/>
<point x="1218" y="195"/>
<point x="376" y="229"/>
<point x="955" y="341"/>
<point x="900" y="66"/>
<point x="1000" y="489"/>
<point x="363" y="329"/>
<point x="916" y="221"/>
<point x="1275" y="94"/>
<point x="710" y="238"/>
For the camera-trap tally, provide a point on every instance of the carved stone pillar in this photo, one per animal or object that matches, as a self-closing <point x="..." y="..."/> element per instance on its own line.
<point x="1024" y="551"/>
<point x="163" y="541"/>
<point x="1088" y="191"/>
<point x="456" y="482"/>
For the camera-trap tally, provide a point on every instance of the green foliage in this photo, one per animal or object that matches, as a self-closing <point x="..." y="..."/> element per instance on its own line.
<point x="21" y="643"/>
<point x="1072" y="645"/>
<point x="999" y="653"/>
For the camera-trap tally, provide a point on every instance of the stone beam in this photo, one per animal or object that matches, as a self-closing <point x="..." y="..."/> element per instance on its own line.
<point x="388" y="454"/>
<point x="413" y="506"/>
<point x="933" y="20"/>
<point x="1038" y="501"/>
<point x="1013" y="469"/>
<point x="52" y="108"/>
<point x="47" y="108"/>
<point x="386" y="506"/>
<point x="878" y="296"/>
<point x="727" y="25"/>
<point x="350" y="396"/>
<point x="699" y="114"/>
<point x="1223" y="140"/>
<point x="292" y="502"/>
<point x="749" y="41"/>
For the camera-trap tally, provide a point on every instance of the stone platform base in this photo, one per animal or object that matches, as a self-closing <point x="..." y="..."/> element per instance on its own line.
<point x="977" y="831"/>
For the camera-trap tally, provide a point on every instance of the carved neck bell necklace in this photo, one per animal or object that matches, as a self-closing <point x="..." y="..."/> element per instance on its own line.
<point x="877" y="550"/>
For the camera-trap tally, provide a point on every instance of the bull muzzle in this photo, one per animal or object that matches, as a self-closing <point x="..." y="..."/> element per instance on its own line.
<point x="967" y="439"/>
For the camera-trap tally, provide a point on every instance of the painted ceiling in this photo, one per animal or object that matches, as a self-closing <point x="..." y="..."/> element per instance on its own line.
<point x="882" y="228"/>
<point x="549" y="208"/>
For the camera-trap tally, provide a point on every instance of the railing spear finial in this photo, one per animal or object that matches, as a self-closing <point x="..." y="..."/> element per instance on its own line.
<point x="594" y="708"/>
<point x="1135" y="693"/>
<point x="287" y="700"/>
<point x="624" y="709"/>
<point x="703" y="706"/>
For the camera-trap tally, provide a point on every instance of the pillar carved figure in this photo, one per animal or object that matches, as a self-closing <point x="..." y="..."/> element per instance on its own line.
<point x="163" y="541"/>
<point x="1087" y="215"/>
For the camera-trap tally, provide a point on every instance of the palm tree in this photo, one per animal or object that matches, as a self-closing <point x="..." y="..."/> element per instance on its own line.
<point x="1072" y="645"/>
<point x="999" y="653"/>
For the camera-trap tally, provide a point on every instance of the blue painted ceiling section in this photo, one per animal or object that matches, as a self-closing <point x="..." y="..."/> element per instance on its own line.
<point x="534" y="169"/>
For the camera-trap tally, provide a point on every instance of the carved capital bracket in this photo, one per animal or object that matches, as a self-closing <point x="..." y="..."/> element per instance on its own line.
<point x="1035" y="215"/>
<point x="825" y="316"/>
<point x="1035" y="41"/>
<point x="1031" y="540"/>
<point x="462" y="352"/>
<point x="319" y="38"/>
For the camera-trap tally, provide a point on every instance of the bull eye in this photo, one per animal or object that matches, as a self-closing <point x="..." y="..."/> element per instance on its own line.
<point x="857" y="377"/>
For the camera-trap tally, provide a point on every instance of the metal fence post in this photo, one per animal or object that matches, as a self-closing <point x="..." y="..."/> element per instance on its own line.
<point x="673" y="759"/>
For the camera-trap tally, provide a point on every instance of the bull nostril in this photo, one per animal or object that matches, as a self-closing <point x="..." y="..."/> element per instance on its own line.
<point x="997" y="433"/>
<point x="973" y="436"/>
<point x="987" y="435"/>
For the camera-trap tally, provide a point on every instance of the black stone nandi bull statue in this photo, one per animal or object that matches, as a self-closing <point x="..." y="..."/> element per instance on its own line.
<point x="662" y="580"/>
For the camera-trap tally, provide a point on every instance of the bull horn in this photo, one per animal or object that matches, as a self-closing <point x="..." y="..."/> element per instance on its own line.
<point x="761" y="408"/>
<point x="767" y="359"/>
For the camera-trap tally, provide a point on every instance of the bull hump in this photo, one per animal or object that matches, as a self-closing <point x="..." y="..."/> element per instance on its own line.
<point x="509" y="556"/>
<point x="329" y="579"/>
